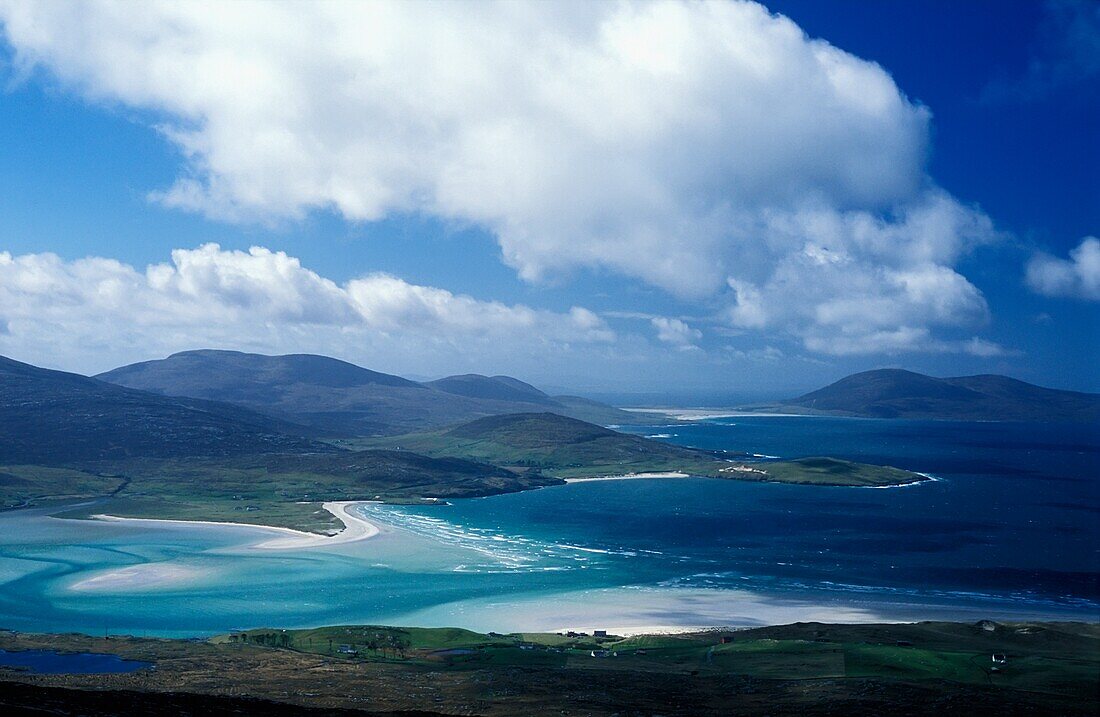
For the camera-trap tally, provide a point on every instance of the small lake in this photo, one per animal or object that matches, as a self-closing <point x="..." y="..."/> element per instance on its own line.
<point x="49" y="662"/>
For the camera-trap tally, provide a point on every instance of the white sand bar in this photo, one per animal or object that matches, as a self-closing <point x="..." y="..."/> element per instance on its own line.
<point x="630" y="476"/>
<point x="356" y="528"/>
<point x="145" y="576"/>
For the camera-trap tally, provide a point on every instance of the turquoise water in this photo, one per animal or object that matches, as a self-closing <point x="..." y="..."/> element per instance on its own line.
<point x="1008" y="531"/>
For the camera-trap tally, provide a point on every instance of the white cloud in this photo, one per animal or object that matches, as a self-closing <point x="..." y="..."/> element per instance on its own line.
<point x="710" y="149"/>
<point x="675" y="332"/>
<point x="853" y="282"/>
<point x="1078" y="276"/>
<point x="767" y="353"/>
<point x="907" y="339"/>
<point x="96" y="310"/>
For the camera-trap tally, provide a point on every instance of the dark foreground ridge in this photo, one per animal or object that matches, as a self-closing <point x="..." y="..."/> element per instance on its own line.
<point x="804" y="669"/>
<point x="34" y="700"/>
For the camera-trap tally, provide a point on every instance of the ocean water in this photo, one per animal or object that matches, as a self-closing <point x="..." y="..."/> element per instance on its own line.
<point x="1009" y="530"/>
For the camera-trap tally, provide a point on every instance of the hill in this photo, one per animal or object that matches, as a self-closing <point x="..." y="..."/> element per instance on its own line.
<point x="558" y="445"/>
<point x="52" y="418"/>
<point x="895" y="393"/>
<point x="567" y="448"/>
<point x="495" y="388"/>
<point x="340" y="399"/>
<point x="65" y="436"/>
<point x="279" y="489"/>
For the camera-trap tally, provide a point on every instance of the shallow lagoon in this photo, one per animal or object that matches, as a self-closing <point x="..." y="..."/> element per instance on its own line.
<point x="1010" y="531"/>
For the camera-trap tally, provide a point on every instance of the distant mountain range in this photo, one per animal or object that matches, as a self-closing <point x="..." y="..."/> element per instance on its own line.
<point x="258" y="446"/>
<point x="339" y="399"/>
<point x="895" y="393"/>
<point x="55" y="417"/>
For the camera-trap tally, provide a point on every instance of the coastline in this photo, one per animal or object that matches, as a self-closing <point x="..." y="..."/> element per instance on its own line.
<point x="925" y="478"/>
<point x="629" y="476"/>
<point x="355" y="528"/>
<point x="687" y="415"/>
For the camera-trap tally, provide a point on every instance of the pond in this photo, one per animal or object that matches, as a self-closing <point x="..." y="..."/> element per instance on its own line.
<point x="49" y="662"/>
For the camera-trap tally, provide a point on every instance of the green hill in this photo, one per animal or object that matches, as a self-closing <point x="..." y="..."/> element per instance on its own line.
<point x="568" y="448"/>
<point x="557" y="445"/>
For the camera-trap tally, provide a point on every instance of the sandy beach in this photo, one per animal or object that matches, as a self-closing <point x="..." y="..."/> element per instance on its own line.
<point x="703" y="414"/>
<point x="150" y="576"/>
<point x="637" y="610"/>
<point x="629" y="476"/>
<point x="355" y="528"/>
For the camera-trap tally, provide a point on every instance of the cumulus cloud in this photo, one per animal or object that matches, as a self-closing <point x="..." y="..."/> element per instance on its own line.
<point x="859" y="283"/>
<point x="1077" y="277"/>
<point x="675" y="332"/>
<point x="212" y="297"/>
<point x="710" y="149"/>
<point x="906" y="339"/>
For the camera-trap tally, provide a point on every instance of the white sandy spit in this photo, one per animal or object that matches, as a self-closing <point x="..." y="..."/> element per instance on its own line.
<point x="153" y="576"/>
<point x="703" y="414"/>
<point x="629" y="476"/>
<point x="355" y="528"/>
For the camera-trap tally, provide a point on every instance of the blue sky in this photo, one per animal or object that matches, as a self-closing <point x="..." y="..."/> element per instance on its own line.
<point x="621" y="248"/>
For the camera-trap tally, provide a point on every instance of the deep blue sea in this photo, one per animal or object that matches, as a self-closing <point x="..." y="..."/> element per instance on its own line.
<point x="1009" y="530"/>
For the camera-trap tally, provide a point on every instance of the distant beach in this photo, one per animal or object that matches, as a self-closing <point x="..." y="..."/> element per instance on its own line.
<point x="629" y="476"/>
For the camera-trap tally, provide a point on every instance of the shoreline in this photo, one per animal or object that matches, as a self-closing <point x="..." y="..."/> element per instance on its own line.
<point x="689" y="415"/>
<point x="925" y="478"/>
<point x="355" y="528"/>
<point x="629" y="476"/>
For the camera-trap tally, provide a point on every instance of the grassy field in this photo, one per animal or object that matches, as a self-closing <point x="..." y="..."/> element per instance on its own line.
<point x="1055" y="658"/>
<point x="23" y="485"/>
<point x="268" y="490"/>
<point x="930" y="668"/>
<point x="569" y="449"/>
<point x="820" y="471"/>
<point x="551" y="444"/>
<point x="310" y="517"/>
